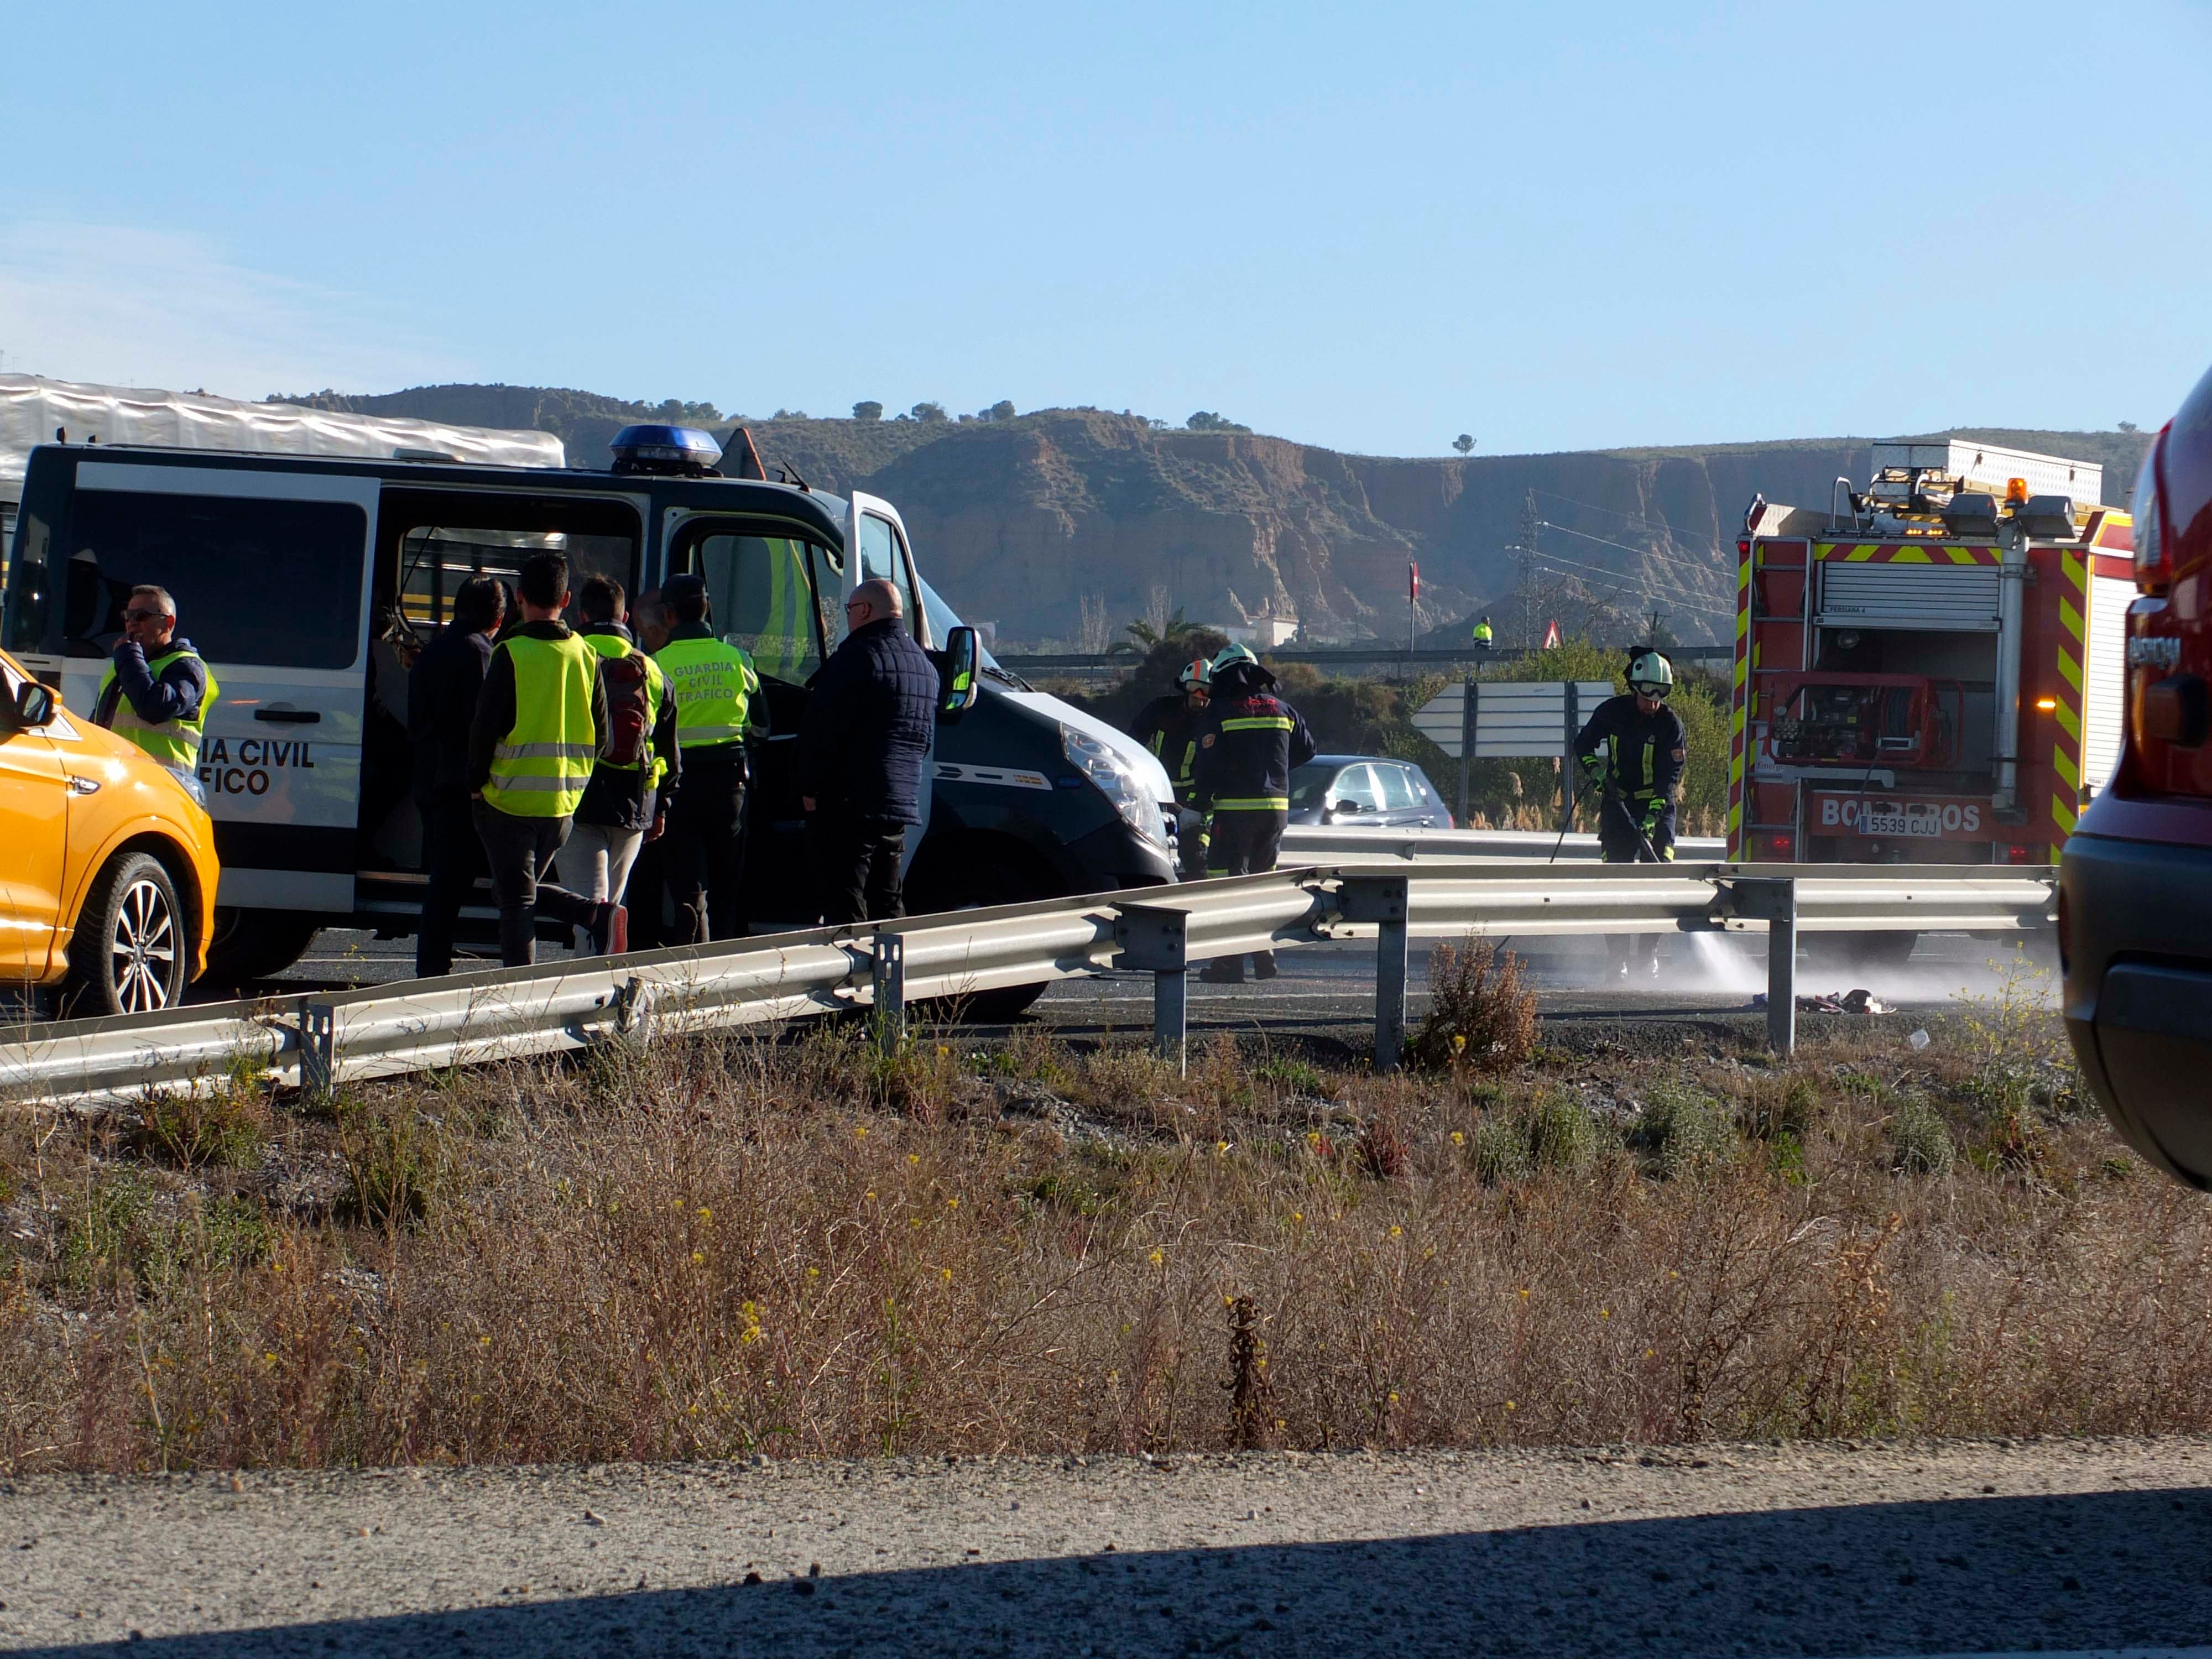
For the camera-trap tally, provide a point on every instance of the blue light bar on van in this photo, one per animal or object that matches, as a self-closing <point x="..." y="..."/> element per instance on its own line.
<point x="664" y="449"/>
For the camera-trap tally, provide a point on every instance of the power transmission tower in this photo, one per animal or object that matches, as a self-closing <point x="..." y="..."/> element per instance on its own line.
<point x="1526" y="588"/>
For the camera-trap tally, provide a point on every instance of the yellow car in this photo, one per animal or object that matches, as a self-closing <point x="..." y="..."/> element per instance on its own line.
<point x="107" y="867"/>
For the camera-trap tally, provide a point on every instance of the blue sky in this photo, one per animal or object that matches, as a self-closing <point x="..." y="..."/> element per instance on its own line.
<point x="1370" y="227"/>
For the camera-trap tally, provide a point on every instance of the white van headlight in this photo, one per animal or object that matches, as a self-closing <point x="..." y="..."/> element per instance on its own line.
<point x="1112" y="777"/>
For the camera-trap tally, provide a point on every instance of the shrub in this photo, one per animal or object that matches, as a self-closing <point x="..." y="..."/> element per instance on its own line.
<point x="1500" y="1150"/>
<point x="224" y="1125"/>
<point x="1562" y="1134"/>
<point x="1919" y="1142"/>
<point x="1479" y="1018"/>
<point x="394" y="1165"/>
<point x="1684" y="1131"/>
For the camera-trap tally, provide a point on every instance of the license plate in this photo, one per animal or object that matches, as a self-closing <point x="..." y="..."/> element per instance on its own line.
<point x="1892" y="820"/>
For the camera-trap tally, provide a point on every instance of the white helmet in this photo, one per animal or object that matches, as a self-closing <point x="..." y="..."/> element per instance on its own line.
<point x="1650" y="674"/>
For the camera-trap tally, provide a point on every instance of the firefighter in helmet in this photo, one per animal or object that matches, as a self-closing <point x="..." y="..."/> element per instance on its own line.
<point x="1632" y="749"/>
<point x="1249" y="743"/>
<point x="1168" y="726"/>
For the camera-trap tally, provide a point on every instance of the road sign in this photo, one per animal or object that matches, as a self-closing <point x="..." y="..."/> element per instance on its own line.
<point x="1512" y="720"/>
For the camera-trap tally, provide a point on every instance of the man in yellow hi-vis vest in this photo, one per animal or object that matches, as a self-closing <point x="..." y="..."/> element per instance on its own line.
<point x="156" y="691"/>
<point x="541" y="720"/>
<point x="719" y="707"/>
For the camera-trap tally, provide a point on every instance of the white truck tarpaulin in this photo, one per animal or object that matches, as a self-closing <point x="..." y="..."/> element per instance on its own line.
<point x="33" y="407"/>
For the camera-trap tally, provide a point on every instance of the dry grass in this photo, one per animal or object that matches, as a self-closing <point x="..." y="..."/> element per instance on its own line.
<point x="728" y="1246"/>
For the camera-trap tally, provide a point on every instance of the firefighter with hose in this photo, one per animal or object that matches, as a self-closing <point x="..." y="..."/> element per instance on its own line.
<point x="1631" y="751"/>
<point x="1168" y="726"/>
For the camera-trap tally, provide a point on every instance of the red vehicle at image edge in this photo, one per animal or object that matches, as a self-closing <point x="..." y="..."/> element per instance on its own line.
<point x="2134" y="902"/>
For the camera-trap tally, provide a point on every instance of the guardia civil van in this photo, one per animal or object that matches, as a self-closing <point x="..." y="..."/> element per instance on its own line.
<point x="308" y="583"/>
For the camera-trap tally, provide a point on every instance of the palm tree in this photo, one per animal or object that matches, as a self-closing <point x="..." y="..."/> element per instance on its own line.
<point x="1145" y="638"/>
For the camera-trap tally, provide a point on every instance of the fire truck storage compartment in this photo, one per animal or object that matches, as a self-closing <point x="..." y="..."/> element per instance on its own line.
<point x="1941" y="598"/>
<point x="1970" y="660"/>
<point x="2105" y="679"/>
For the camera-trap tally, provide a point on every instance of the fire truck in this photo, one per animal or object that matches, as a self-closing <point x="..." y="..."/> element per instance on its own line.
<point x="1931" y="670"/>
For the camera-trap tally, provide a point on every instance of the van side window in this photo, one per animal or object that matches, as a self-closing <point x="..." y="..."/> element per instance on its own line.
<point x="273" y="582"/>
<point x="880" y="558"/>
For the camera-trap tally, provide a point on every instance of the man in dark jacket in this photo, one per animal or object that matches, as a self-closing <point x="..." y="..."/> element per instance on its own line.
<point x="1246" y="748"/>
<point x="1169" y="727"/>
<point x="441" y="703"/>
<point x="870" y="717"/>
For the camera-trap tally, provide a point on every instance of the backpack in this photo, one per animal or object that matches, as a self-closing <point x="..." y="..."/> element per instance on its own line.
<point x="629" y="721"/>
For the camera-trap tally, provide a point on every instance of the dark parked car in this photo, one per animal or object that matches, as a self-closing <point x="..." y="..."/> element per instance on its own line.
<point x="2135" y="904"/>
<point x="1366" y="790"/>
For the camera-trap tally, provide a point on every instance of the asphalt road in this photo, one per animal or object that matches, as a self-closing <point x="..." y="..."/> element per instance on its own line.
<point x="1755" y="1550"/>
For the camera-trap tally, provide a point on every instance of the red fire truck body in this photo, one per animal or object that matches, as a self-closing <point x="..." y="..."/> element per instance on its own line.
<point x="1933" y="674"/>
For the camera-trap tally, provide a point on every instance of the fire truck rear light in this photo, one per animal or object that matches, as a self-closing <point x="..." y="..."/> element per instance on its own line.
<point x="1782" y="845"/>
<point x="1743" y="549"/>
<point x="2015" y="490"/>
<point x="2047" y="704"/>
<point x="2016" y="854"/>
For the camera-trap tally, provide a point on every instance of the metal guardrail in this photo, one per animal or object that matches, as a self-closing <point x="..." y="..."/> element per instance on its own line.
<point x="319" y="1041"/>
<point x="1101" y="662"/>
<point x="1351" y="844"/>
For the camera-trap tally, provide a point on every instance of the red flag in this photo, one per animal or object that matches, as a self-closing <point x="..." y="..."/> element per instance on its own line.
<point x="1412" y="578"/>
<point x="1552" y="637"/>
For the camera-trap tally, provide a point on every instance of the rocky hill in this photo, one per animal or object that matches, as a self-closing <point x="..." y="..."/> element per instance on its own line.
<point x="1023" y="520"/>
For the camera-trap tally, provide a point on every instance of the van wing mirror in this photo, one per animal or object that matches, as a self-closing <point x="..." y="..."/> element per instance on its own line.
<point x="958" y="681"/>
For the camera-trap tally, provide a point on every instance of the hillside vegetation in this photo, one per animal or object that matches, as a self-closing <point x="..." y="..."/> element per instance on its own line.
<point x="1022" y="518"/>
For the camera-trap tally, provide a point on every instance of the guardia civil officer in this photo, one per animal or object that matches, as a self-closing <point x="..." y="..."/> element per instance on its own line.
<point x="719" y="707"/>
<point x="627" y="802"/>
<point x="1168" y="726"/>
<point x="155" y="691"/>
<point x="540" y="721"/>
<point x="1246" y="748"/>
<point x="1644" y="746"/>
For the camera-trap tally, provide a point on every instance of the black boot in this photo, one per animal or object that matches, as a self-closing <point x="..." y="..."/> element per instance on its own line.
<point x="1263" y="965"/>
<point x="1228" y="971"/>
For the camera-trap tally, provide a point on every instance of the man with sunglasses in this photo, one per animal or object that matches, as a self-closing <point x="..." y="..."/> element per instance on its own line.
<point x="1645" y="745"/>
<point x="870" y="717"/>
<point x="156" y="691"/>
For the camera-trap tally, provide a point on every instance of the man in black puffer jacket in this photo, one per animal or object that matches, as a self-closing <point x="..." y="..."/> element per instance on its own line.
<point x="870" y="717"/>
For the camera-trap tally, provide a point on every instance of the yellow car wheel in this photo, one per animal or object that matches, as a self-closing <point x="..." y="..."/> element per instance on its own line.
<point x="131" y="952"/>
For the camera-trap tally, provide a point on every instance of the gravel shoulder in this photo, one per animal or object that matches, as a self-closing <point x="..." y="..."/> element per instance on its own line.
<point x="1838" y="1549"/>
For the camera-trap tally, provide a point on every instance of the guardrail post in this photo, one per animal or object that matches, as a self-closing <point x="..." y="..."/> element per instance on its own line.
<point x="887" y="977"/>
<point x="1155" y="939"/>
<point x="318" y="1056"/>
<point x="1773" y="899"/>
<point x="1385" y="901"/>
